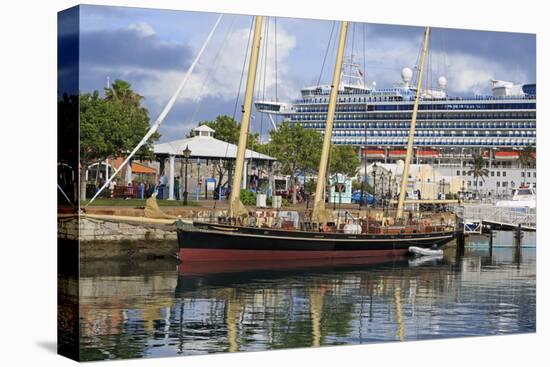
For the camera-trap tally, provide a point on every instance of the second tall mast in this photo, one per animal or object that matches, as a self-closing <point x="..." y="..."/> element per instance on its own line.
<point x="318" y="215"/>
<point x="236" y="207"/>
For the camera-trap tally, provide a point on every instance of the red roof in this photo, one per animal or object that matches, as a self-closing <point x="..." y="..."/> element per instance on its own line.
<point x="136" y="167"/>
<point x="398" y="152"/>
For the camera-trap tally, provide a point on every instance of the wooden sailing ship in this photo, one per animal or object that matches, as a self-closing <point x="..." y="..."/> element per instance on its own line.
<point x="320" y="236"/>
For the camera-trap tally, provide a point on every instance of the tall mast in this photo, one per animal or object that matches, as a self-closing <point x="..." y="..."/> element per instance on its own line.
<point x="405" y="177"/>
<point x="319" y="215"/>
<point x="236" y="207"/>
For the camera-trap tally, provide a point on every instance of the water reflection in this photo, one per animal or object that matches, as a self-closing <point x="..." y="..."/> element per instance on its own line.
<point x="154" y="309"/>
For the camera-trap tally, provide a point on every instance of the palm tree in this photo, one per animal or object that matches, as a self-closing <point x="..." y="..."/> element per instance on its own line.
<point x="478" y="170"/>
<point x="526" y="157"/>
<point x="122" y="91"/>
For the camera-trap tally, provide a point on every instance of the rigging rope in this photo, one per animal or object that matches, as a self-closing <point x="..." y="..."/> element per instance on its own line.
<point x="351" y="53"/>
<point x="265" y="59"/>
<point x="276" y="80"/>
<point x="326" y="53"/>
<point x="164" y="112"/>
<point x="243" y="69"/>
<point x="213" y="68"/>
<point x="248" y="45"/>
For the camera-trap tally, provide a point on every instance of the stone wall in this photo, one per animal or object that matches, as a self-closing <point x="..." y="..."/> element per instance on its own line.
<point x="88" y="229"/>
<point x="106" y="239"/>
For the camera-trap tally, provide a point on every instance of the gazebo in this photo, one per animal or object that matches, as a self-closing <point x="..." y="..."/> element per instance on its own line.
<point x="204" y="147"/>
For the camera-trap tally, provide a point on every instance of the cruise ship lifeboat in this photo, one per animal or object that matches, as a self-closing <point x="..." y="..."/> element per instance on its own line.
<point x="506" y="156"/>
<point x="398" y="154"/>
<point x="427" y="154"/>
<point x="374" y="153"/>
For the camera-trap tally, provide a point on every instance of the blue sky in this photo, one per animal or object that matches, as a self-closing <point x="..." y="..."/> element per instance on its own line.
<point x="152" y="49"/>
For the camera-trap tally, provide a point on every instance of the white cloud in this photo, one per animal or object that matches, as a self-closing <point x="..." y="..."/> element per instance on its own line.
<point x="219" y="77"/>
<point x="142" y="28"/>
<point x="466" y="73"/>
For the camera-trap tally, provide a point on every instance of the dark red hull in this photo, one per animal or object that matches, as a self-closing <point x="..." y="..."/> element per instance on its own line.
<point x="198" y="254"/>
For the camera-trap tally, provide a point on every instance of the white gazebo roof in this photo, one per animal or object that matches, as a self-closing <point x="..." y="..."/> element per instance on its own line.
<point x="206" y="147"/>
<point x="204" y="128"/>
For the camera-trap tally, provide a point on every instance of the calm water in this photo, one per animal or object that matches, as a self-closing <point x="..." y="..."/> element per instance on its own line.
<point x="154" y="309"/>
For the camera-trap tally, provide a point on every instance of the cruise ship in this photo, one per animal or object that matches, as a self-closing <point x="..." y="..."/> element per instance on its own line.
<point x="450" y="131"/>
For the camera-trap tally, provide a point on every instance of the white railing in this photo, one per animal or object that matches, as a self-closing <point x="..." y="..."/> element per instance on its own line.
<point x="472" y="213"/>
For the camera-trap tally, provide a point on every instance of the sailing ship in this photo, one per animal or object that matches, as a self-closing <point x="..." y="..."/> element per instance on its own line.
<point x="320" y="236"/>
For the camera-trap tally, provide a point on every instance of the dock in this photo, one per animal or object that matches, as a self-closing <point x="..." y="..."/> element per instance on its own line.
<point x="477" y="218"/>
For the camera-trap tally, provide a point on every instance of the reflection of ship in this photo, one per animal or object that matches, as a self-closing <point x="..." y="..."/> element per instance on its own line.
<point x="523" y="197"/>
<point x="201" y="275"/>
<point x="319" y="235"/>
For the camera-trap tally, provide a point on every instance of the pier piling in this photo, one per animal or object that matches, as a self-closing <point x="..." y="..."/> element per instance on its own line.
<point x="460" y="243"/>
<point x="518" y="236"/>
<point x="491" y="238"/>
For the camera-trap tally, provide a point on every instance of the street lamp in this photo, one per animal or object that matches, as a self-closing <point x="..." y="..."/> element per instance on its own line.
<point x="389" y="184"/>
<point x="362" y="179"/>
<point x="374" y="169"/>
<point x="186" y="155"/>
<point x="382" y="179"/>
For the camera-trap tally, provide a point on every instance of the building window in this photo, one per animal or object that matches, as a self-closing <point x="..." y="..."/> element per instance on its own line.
<point x="498" y="183"/>
<point x="480" y="183"/>
<point x="528" y="174"/>
<point x="505" y="184"/>
<point x="498" y="173"/>
<point x="469" y="183"/>
<point x="492" y="173"/>
<point x="463" y="173"/>
<point x="503" y="173"/>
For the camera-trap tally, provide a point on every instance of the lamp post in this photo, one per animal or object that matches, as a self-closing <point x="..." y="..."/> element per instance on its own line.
<point x="382" y="193"/>
<point x="362" y="179"/>
<point x="186" y="155"/>
<point x="374" y="169"/>
<point x="389" y="184"/>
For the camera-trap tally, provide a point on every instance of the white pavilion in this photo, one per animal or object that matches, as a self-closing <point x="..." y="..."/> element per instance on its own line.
<point x="204" y="148"/>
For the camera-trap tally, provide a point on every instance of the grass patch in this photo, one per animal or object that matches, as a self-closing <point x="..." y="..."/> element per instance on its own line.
<point x="136" y="203"/>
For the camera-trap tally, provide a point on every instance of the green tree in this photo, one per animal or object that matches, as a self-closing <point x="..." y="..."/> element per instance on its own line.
<point x="344" y="160"/>
<point x="478" y="170"/>
<point x="297" y="150"/>
<point x="111" y="126"/>
<point x="526" y="158"/>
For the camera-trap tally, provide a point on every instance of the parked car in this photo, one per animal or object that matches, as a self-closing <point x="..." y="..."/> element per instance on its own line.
<point x="367" y="198"/>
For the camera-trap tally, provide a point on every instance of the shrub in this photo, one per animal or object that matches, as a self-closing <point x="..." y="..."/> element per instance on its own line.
<point x="248" y="197"/>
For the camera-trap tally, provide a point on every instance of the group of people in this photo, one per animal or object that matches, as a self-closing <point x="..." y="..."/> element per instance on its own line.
<point x="132" y="189"/>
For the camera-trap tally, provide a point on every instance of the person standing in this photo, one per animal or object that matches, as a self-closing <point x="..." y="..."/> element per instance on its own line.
<point x="177" y="188"/>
